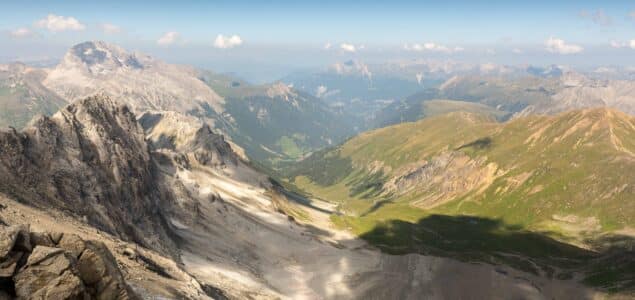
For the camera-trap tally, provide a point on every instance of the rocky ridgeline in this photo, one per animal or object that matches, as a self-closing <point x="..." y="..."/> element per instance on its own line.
<point x="188" y="136"/>
<point x="89" y="159"/>
<point x="48" y="265"/>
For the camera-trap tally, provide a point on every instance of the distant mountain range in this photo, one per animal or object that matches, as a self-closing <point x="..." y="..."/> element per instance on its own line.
<point x="305" y="111"/>
<point x="296" y="123"/>
<point x="552" y="92"/>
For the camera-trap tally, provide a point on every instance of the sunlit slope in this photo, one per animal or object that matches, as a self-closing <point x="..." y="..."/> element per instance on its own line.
<point x="427" y="104"/>
<point x="573" y="172"/>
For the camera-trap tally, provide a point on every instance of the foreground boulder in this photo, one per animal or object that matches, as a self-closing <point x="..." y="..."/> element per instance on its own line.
<point x="40" y="265"/>
<point x="50" y="273"/>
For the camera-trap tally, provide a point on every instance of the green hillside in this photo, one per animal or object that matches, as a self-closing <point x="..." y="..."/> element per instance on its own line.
<point x="552" y="189"/>
<point x="22" y="96"/>
<point x="428" y="104"/>
<point x="274" y="122"/>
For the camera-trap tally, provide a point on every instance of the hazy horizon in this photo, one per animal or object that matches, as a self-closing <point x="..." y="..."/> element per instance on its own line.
<point x="263" y="42"/>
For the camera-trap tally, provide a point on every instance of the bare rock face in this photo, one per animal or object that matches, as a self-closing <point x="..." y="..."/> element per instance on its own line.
<point x="188" y="135"/>
<point x="71" y="269"/>
<point x="141" y="81"/>
<point x="49" y="273"/>
<point x="90" y="159"/>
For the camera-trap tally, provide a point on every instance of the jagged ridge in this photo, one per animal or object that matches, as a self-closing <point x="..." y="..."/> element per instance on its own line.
<point x="90" y="159"/>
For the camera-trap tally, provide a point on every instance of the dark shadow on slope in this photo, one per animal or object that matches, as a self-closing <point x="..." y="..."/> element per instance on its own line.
<point x="367" y="186"/>
<point x="295" y="197"/>
<point x="377" y="205"/>
<point x="615" y="269"/>
<point x="490" y="240"/>
<point x="480" y="144"/>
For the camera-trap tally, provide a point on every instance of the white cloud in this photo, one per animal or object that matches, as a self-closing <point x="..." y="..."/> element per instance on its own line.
<point x="348" y="47"/>
<point x="555" y="45"/>
<point x="433" y="47"/>
<point x="108" y="28"/>
<point x="226" y="42"/>
<point x="168" y="38"/>
<point x="517" y="51"/>
<point x="419" y="77"/>
<point x="618" y="44"/>
<point x="56" y="23"/>
<point x="21" y="32"/>
<point x="327" y="46"/>
<point x="321" y="90"/>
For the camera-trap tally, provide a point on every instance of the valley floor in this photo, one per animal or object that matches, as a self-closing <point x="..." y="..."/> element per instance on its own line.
<point x="249" y="249"/>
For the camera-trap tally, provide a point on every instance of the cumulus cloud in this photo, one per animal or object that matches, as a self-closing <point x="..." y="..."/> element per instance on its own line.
<point x="168" y="38"/>
<point x="55" y="23"/>
<point x="348" y="47"/>
<point x="517" y="51"/>
<point x="618" y="44"/>
<point x="21" y="32"/>
<point x="226" y="42"/>
<point x="432" y="47"/>
<point x="327" y="46"/>
<point x="555" y="45"/>
<point x="597" y="17"/>
<point x="108" y="28"/>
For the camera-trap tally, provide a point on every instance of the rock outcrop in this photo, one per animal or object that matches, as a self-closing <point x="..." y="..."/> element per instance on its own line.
<point x="89" y="159"/>
<point x="187" y="135"/>
<point x="42" y="265"/>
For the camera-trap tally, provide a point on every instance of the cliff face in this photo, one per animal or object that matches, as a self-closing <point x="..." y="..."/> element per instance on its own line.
<point x="90" y="159"/>
<point x="187" y="135"/>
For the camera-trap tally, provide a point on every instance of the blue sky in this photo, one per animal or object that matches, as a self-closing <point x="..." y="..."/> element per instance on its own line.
<point x="293" y="34"/>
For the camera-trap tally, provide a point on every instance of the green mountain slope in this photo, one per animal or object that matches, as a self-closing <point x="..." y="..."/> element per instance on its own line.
<point x="23" y="96"/>
<point x="460" y="183"/>
<point x="427" y="104"/>
<point x="275" y="122"/>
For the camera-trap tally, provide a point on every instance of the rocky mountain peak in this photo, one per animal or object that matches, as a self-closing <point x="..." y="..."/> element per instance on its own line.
<point x="184" y="134"/>
<point x="140" y="81"/>
<point x="352" y="67"/>
<point x="282" y="90"/>
<point x="98" y="57"/>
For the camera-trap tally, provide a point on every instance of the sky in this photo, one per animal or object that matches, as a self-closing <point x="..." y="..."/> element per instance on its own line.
<point x="263" y="40"/>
